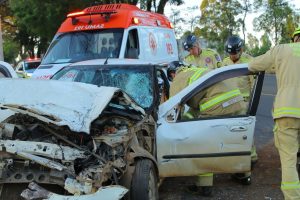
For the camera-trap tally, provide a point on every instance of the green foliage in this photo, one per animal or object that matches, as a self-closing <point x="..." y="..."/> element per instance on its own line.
<point x="253" y="47"/>
<point x="10" y="50"/>
<point x="219" y="20"/>
<point x="278" y="19"/>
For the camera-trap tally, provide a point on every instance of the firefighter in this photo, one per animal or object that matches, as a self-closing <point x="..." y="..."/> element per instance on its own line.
<point x="200" y="57"/>
<point x="222" y="98"/>
<point x="285" y="58"/>
<point x="234" y="46"/>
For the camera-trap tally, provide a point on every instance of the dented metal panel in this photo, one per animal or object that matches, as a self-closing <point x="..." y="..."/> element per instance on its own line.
<point x="200" y="146"/>
<point x="49" y="150"/>
<point x="72" y="104"/>
<point x="35" y="191"/>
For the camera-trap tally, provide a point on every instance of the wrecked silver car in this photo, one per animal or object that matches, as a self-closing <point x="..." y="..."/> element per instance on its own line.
<point x="96" y="142"/>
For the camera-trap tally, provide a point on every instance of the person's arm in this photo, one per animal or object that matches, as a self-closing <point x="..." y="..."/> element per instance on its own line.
<point x="265" y="61"/>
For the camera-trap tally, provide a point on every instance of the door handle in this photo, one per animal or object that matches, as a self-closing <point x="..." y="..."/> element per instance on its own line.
<point x="238" y="128"/>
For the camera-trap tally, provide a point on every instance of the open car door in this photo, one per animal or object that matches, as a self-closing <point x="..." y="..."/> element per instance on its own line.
<point x="219" y="144"/>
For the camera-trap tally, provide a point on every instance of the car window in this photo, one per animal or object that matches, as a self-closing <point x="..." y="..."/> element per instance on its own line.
<point x="20" y="66"/>
<point x="163" y="86"/>
<point x="84" y="45"/>
<point x="227" y="98"/>
<point x="31" y="65"/>
<point x="69" y="75"/>
<point x="136" y="81"/>
<point x="132" y="45"/>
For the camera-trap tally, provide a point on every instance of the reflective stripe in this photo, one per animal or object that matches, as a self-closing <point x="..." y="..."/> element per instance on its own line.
<point x="286" y="111"/>
<point x="188" y="115"/>
<point x="197" y="74"/>
<point x="205" y="174"/>
<point x="245" y="94"/>
<point x="290" y="185"/>
<point x="187" y="69"/>
<point x="220" y="98"/>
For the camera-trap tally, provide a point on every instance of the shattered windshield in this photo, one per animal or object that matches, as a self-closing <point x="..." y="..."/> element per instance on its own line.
<point x="84" y="45"/>
<point x="136" y="81"/>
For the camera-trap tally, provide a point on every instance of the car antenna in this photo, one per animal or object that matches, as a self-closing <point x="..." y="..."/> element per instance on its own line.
<point x="105" y="63"/>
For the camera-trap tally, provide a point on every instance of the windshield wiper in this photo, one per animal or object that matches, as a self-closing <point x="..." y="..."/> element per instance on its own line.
<point x="105" y="63"/>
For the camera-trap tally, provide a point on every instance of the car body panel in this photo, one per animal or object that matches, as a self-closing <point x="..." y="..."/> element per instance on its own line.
<point x="25" y="68"/>
<point x="114" y="192"/>
<point x="220" y="144"/>
<point x="6" y="70"/>
<point x="151" y="38"/>
<point x="72" y="104"/>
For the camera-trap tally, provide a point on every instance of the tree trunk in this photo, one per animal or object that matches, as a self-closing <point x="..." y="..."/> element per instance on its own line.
<point x="1" y="43"/>
<point x="149" y="5"/>
<point x="161" y="6"/>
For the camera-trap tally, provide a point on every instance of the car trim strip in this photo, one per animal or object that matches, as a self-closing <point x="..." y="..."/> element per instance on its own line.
<point x="207" y="155"/>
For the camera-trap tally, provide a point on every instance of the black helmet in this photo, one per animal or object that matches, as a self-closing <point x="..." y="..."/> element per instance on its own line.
<point x="172" y="67"/>
<point x="189" y="42"/>
<point x="234" y="44"/>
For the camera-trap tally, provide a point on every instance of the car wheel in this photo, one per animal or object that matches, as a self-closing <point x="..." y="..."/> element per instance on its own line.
<point x="144" y="181"/>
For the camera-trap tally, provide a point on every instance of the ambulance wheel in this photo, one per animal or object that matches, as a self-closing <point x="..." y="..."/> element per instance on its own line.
<point x="144" y="184"/>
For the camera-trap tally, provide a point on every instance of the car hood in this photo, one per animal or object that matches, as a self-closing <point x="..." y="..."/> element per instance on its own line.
<point x="71" y="104"/>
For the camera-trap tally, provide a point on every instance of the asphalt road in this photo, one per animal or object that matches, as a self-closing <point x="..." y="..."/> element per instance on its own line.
<point x="266" y="175"/>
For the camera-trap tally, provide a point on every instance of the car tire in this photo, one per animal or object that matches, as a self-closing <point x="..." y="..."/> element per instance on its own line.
<point x="144" y="181"/>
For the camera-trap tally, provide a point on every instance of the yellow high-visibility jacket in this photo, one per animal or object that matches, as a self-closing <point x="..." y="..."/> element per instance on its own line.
<point x="223" y="98"/>
<point x="245" y="82"/>
<point x="208" y="58"/>
<point x="285" y="59"/>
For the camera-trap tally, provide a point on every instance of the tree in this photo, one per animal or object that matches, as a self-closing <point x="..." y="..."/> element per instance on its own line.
<point x="253" y="45"/>
<point x="258" y="47"/>
<point x="192" y="18"/>
<point x="177" y="21"/>
<point x="265" y="43"/>
<point x="276" y="15"/>
<point x="219" y="20"/>
<point x="11" y="49"/>
<point x="246" y="7"/>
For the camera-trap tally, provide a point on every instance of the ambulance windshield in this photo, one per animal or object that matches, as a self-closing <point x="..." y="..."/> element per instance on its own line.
<point x="84" y="45"/>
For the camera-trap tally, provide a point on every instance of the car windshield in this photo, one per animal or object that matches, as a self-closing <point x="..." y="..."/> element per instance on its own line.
<point x="136" y="81"/>
<point x="31" y="65"/>
<point x="84" y="45"/>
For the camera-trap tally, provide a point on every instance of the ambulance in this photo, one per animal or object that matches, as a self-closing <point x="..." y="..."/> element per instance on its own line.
<point x="110" y="31"/>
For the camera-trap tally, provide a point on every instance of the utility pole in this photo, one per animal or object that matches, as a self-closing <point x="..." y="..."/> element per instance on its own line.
<point x="1" y="43"/>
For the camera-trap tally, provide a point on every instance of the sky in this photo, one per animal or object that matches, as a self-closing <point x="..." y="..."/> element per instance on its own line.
<point x="191" y="3"/>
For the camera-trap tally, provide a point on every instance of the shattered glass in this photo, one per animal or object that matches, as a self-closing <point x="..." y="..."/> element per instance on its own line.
<point x="135" y="81"/>
<point x="136" y="84"/>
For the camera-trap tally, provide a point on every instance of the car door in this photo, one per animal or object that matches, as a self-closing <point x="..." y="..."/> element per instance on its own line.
<point x="219" y="144"/>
